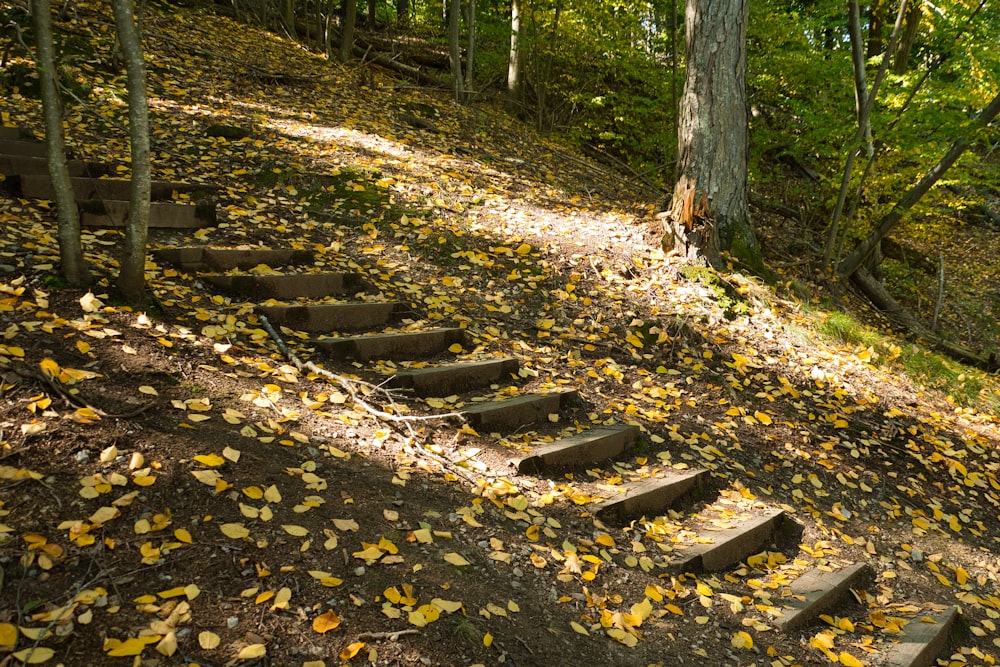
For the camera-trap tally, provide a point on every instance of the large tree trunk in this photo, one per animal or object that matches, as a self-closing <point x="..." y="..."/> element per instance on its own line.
<point x="132" y="275"/>
<point x="347" y="29"/>
<point x="869" y="244"/>
<point x="709" y="211"/>
<point x="74" y="268"/>
<point x="514" y="65"/>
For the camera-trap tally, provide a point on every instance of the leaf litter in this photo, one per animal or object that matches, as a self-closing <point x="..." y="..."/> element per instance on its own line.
<point x="254" y="512"/>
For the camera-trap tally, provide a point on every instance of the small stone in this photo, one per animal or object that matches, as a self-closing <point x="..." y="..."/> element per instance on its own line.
<point x="916" y="554"/>
<point x="232" y="622"/>
<point x="359" y="571"/>
<point x="82" y="456"/>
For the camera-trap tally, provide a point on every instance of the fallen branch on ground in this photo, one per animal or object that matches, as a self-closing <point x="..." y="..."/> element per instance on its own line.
<point x="349" y="385"/>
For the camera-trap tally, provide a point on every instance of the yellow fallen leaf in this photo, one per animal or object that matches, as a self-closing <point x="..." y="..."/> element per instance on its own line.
<point x="579" y="629"/>
<point x="167" y="645"/>
<point x="34" y="656"/>
<point x="209" y="460"/>
<point x="487" y="640"/>
<point x="282" y="598"/>
<point x="742" y="640"/>
<point x="295" y="531"/>
<point x="252" y="652"/>
<point x="8" y="634"/>
<point x="146" y="389"/>
<point x="325" y="622"/>
<point x="456" y="559"/>
<point x="351" y="650"/>
<point x="236" y="531"/>
<point x="208" y="640"/>
<point x="848" y="660"/>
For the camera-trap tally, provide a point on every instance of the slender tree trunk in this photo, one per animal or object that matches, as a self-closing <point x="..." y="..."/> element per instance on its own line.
<point x="403" y="14"/>
<point x="470" y="51"/>
<point x="132" y="275"/>
<point x="865" y="248"/>
<point x="864" y="129"/>
<point x="347" y="29"/>
<point x="514" y="83"/>
<point x="74" y="268"/>
<point x="455" y="48"/>
<point x="901" y="56"/>
<point x="370" y="17"/>
<point x="709" y="211"/>
<point x="287" y="16"/>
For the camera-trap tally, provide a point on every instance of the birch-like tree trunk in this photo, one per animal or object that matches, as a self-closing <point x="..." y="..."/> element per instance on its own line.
<point x="132" y="273"/>
<point x="74" y="268"/>
<point x="709" y="212"/>
<point x="514" y="85"/>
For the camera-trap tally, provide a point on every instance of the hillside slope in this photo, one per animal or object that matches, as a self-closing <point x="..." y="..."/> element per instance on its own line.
<point x="173" y="486"/>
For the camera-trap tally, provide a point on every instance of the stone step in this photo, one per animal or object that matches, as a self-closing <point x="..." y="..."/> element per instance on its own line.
<point x="392" y="346"/>
<point x="326" y="317"/>
<point x="200" y="258"/>
<point x="921" y="643"/>
<point x="24" y="147"/>
<point x="816" y="592"/>
<point x="651" y="496"/>
<point x="454" y="378"/>
<point x="518" y="411"/>
<point x="597" y="444"/>
<point x="288" y="286"/>
<point x="730" y="546"/>
<point x="162" y="215"/>
<point x="24" y="165"/>
<point x="39" y="186"/>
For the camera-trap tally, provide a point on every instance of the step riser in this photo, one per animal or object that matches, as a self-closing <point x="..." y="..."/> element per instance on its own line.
<point x="15" y="134"/>
<point x="454" y="379"/>
<point x="821" y="592"/>
<point x="922" y="643"/>
<point x="290" y="287"/>
<point x="652" y="497"/>
<point x="730" y="546"/>
<point x="14" y="166"/>
<point x="333" y="317"/>
<point x="162" y="215"/>
<point x="23" y="148"/>
<point x="391" y="347"/>
<point x="39" y="186"/>
<point x="195" y="258"/>
<point x="595" y="445"/>
<point x="517" y="412"/>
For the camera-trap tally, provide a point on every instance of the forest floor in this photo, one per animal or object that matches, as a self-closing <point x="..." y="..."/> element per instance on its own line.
<point x="238" y="511"/>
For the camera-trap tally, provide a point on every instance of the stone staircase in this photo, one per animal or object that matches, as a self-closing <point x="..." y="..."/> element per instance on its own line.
<point x="348" y="324"/>
<point x="102" y="201"/>
<point x="307" y="304"/>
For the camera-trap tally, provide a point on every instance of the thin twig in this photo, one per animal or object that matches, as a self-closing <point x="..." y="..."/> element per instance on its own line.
<point x="388" y="635"/>
<point x="348" y="384"/>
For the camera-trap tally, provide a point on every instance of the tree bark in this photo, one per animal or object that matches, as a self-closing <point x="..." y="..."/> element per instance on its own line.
<point x="132" y="274"/>
<point x="709" y="212"/>
<point x="514" y="84"/>
<point x="455" y="48"/>
<point x="347" y="29"/>
<point x="470" y="51"/>
<point x="868" y="245"/>
<point x="901" y="56"/>
<point x="74" y="268"/>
